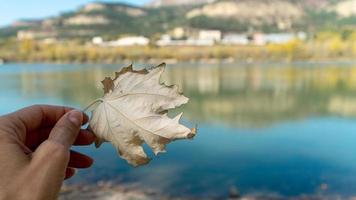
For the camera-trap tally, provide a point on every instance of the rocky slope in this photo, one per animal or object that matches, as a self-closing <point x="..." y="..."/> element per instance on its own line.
<point x="345" y="8"/>
<point x="254" y="12"/>
<point x="162" y="3"/>
<point x="113" y="19"/>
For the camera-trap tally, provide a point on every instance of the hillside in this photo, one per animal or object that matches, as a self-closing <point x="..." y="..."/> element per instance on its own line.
<point x="106" y="19"/>
<point x="163" y="3"/>
<point x="112" y="19"/>
<point x="345" y="8"/>
<point x="272" y="13"/>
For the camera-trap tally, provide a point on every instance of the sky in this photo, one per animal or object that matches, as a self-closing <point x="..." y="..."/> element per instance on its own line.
<point x="11" y="10"/>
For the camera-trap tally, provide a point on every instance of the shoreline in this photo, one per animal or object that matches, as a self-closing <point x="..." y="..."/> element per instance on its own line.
<point x="110" y="191"/>
<point x="205" y="61"/>
<point x="71" y="52"/>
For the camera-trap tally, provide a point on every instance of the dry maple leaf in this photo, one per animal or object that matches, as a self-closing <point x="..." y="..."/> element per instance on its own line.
<point x="133" y="111"/>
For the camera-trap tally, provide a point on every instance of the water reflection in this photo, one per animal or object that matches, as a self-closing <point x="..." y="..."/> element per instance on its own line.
<point x="247" y="96"/>
<point x="258" y="96"/>
<point x="267" y="128"/>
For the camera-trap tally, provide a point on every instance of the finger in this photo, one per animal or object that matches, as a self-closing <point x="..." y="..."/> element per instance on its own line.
<point x="69" y="173"/>
<point x="34" y="117"/>
<point x="34" y="139"/>
<point x="78" y="160"/>
<point x="43" y="115"/>
<point x="48" y="165"/>
<point x="67" y="128"/>
<point x="85" y="137"/>
<point x="51" y="158"/>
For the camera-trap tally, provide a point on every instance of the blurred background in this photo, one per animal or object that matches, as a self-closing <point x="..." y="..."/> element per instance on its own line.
<point x="272" y="87"/>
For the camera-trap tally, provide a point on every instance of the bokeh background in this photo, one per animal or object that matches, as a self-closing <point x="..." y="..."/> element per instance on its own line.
<point x="272" y="88"/>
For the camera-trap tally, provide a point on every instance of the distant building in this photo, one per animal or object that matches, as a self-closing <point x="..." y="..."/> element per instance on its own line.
<point x="302" y="36"/>
<point x="125" y="41"/>
<point x="192" y="37"/>
<point x="23" y="35"/>
<point x="196" y="37"/>
<point x="28" y="34"/>
<point x="259" y="39"/>
<point x="166" y="40"/>
<point x="178" y="32"/>
<point x="183" y="33"/>
<point x="214" y="35"/>
<point x="235" y="39"/>
<point x="131" y="41"/>
<point x="97" y="40"/>
<point x="277" y="38"/>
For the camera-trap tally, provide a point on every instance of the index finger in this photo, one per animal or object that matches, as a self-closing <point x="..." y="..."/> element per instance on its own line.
<point x="31" y="118"/>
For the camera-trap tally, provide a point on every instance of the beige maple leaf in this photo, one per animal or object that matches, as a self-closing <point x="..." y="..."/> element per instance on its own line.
<point x="133" y="111"/>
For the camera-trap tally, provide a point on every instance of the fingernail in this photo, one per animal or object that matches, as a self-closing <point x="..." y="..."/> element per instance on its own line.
<point x="75" y="117"/>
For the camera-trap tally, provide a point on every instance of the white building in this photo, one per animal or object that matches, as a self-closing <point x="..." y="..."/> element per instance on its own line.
<point x="214" y="35"/>
<point x="29" y="34"/>
<point x="124" y="41"/>
<point x="166" y="40"/>
<point x="277" y="38"/>
<point x="23" y="35"/>
<point x="235" y="39"/>
<point x="97" y="40"/>
<point x="130" y="41"/>
<point x="178" y="32"/>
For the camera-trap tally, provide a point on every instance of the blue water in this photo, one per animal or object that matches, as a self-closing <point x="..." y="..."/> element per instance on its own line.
<point x="253" y="135"/>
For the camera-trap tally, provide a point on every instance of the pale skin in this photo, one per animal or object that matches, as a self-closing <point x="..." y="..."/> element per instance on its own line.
<point x="35" y="155"/>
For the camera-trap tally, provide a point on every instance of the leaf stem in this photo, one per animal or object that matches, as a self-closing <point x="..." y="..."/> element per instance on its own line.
<point x="92" y="104"/>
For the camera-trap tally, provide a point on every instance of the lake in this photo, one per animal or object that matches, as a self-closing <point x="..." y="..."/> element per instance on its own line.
<point x="284" y="130"/>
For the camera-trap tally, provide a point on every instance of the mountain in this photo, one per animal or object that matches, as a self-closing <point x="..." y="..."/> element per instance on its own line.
<point x="162" y="3"/>
<point x="345" y="8"/>
<point x="105" y="19"/>
<point x="280" y="13"/>
<point x="271" y="15"/>
<point x="316" y="3"/>
<point x="113" y="19"/>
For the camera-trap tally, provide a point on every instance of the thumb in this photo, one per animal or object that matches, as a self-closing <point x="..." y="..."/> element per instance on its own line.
<point x="67" y="128"/>
<point x="62" y="135"/>
<point x="50" y="160"/>
<point x="55" y="150"/>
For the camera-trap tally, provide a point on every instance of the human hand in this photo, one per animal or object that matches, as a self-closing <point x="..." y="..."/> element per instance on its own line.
<point x="35" y="155"/>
